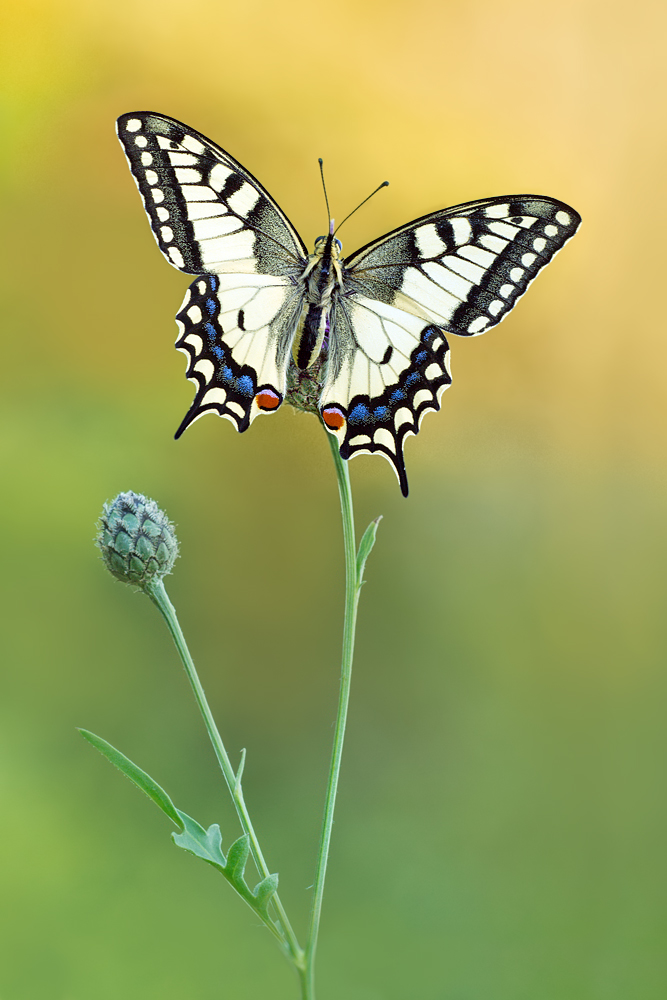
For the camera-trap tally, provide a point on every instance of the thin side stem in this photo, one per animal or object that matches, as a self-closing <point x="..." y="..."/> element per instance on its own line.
<point x="158" y="595"/>
<point x="352" y="589"/>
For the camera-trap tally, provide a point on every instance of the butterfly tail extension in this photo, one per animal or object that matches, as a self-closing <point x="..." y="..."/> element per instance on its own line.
<point x="379" y="424"/>
<point x="238" y="373"/>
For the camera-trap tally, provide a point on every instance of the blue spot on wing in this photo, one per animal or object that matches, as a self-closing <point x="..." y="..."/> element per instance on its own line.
<point x="413" y="378"/>
<point x="210" y="331"/>
<point x="381" y="412"/>
<point x="359" y="414"/>
<point x="246" y="386"/>
<point x="228" y="374"/>
<point x="422" y="356"/>
<point x="397" y="395"/>
<point x="212" y="283"/>
<point x="210" y="306"/>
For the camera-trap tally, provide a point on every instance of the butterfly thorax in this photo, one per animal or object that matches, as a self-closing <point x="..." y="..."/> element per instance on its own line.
<point x="322" y="276"/>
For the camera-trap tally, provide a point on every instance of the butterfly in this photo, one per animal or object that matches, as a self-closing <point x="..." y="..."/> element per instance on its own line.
<point x="265" y="318"/>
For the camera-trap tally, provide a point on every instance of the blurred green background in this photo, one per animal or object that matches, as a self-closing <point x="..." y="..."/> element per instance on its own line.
<point x="502" y="819"/>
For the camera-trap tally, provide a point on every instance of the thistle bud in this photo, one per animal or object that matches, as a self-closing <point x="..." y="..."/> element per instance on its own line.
<point x="137" y="540"/>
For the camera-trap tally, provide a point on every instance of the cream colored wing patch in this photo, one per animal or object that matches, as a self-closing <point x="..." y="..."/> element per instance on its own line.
<point x="237" y="331"/>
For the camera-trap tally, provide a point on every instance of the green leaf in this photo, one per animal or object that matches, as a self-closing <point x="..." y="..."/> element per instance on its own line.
<point x="136" y="775"/>
<point x="239" y="773"/>
<point x="204" y="844"/>
<point x="207" y="845"/>
<point x="264" y="890"/>
<point x="365" y="546"/>
<point x="237" y="856"/>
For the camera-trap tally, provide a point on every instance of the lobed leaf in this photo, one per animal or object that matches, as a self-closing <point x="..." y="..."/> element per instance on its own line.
<point x="204" y="844"/>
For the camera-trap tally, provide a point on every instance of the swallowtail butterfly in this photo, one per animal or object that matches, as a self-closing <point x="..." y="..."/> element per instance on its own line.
<point x="367" y="330"/>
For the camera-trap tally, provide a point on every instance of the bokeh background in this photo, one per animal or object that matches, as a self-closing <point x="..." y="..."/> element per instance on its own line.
<point x="501" y="824"/>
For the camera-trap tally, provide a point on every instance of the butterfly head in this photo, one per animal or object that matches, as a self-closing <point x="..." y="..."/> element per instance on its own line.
<point x="324" y="264"/>
<point x="321" y="245"/>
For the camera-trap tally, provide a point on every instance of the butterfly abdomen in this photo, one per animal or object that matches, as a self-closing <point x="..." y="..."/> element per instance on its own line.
<point x="315" y="326"/>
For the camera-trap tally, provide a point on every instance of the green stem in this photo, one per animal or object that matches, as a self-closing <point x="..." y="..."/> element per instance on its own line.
<point x="287" y="938"/>
<point x="352" y="590"/>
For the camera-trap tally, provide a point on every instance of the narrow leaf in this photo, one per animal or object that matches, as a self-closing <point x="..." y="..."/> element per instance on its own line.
<point x="239" y="773"/>
<point x="365" y="546"/>
<point x="237" y="856"/>
<point x="204" y="844"/>
<point x="264" y="890"/>
<point x="136" y="775"/>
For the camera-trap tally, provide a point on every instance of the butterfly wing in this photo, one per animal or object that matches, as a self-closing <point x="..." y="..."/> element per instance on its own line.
<point x="208" y="214"/>
<point x="236" y="331"/>
<point x="460" y="270"/>
<point x="211" y="217"/>
<point x="386" y="368"/>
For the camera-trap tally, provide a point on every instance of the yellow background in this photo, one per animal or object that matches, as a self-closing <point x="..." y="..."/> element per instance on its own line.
<point x="501" y="825"/>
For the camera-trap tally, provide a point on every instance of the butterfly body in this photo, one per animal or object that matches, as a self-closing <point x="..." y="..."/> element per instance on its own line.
<point x="323" y="278"/>
<point x="362" y="338"/>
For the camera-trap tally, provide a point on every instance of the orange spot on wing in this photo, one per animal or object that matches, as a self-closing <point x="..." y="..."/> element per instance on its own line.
<point x="333" y="418"/>
<point x="267" y="400"/>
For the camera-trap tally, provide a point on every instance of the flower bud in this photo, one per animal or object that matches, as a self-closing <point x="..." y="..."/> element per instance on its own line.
<point x="137" y="540"/>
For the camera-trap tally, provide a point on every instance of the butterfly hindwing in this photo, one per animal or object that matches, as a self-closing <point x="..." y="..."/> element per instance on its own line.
<point x="236" y="330"/>
<point x="207" y="212"/>
<point x="386" y="369"/>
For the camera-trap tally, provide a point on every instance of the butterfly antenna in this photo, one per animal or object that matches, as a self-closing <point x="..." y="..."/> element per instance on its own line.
<point x="324" y="188"/>
<point x="379" y="188"/>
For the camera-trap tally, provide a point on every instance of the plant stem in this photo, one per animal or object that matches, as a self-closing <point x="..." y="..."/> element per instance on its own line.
<point x="352" y="590"/>
<point x="286" y="938"/>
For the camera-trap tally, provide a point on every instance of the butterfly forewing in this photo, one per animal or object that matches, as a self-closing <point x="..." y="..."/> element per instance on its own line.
<point x="207" y="212"/>
<point x="465" y="267"/>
